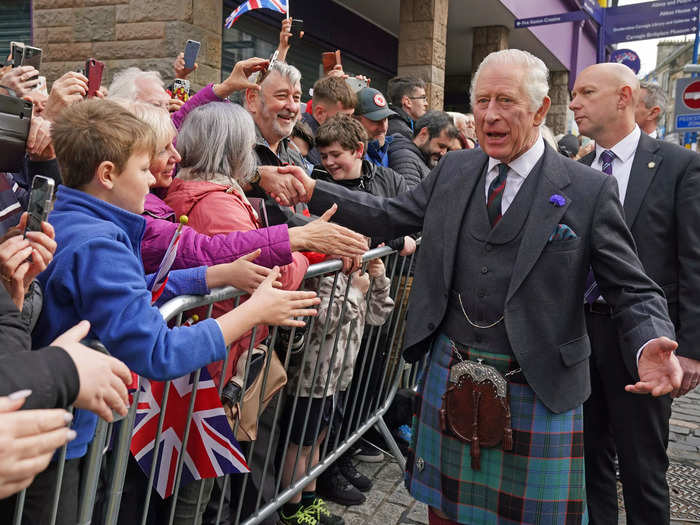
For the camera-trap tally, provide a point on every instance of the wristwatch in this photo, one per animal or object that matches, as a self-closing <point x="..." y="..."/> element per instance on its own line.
<point x="256" y="178"/>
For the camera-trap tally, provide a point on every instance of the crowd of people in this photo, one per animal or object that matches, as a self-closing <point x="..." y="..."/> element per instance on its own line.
<point x="570" y="284"/>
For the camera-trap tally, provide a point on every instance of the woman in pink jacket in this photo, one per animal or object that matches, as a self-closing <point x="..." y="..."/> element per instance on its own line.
<point x="216" y="144"/>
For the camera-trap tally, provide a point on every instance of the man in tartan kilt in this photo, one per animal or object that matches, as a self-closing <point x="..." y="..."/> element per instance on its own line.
<point x="510" y="235"/>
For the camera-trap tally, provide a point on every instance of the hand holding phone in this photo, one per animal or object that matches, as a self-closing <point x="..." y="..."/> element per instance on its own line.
<point x="330" y="60"/>
<point x="181" y="89"/>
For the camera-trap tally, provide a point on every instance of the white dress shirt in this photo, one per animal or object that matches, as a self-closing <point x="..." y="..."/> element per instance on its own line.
<point x="622" y="163"/>
<point x="518" y="170"/>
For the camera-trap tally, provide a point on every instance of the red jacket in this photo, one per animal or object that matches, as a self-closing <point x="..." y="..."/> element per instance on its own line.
<point x="217" y="208"/>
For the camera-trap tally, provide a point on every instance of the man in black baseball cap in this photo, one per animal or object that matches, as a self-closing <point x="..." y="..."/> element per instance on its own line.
<point x="372" y="111"/>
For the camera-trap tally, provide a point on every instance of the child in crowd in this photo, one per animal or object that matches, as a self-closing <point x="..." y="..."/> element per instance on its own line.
<point x="104" y="153"/>
<point x="323" y="372"/>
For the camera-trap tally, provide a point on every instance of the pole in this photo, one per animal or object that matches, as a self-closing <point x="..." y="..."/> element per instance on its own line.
<point x="601" y="37"/>
<point x="289" y="9"/>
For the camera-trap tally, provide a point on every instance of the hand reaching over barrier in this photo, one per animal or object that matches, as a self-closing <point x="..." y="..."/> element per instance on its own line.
<point x="242" y="273"/>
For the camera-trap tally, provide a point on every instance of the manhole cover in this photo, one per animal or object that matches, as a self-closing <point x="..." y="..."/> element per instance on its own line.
<point x="684" y="484"/>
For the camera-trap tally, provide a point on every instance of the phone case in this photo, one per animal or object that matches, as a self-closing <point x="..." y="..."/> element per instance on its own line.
<point x="181" y="89"/>
<point x="93" y="72"/>
<point x="191" y="51"/>
<point x="15" y="120"/>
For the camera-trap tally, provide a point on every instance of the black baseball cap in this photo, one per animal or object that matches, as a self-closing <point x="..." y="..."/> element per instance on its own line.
<point x="372" y="104"/>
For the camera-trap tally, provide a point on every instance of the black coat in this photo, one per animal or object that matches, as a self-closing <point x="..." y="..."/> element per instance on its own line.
<point x="543" y="310"/>
<point x="400" y="123"/>
<point x="662" y="209"/>
<point x="375" y="180"/>
<point x="48" y="372"/>
<point x="408" y="160"/>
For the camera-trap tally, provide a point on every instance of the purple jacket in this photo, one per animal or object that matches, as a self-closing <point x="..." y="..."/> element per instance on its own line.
<point x="196" y="249"/>
<point x="202" y="97"/>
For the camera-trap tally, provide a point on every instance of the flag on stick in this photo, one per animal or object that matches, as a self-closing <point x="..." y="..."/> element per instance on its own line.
<point x="281" y="6"/>
<point x="161" y="277"/>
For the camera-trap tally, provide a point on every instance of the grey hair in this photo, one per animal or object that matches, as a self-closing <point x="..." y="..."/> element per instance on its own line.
<point x="291" y="73"/>
<point x="125" y="82"/>
<point x="536" y="81"/>
<point x="157" y="118"/>
<point x="457" y="117"/>
<point x="218" y="138"/>
<point x="655" y="96"/>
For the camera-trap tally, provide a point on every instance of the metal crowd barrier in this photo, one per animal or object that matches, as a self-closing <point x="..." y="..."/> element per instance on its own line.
<point x="378" y="373"/>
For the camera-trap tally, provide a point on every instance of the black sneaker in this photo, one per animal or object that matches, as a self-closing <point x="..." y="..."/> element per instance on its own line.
<point x="333" y="486"/>
<point x="367" y="453"/>
<point x="320" y="511"/>
<point x="347" y="469"/>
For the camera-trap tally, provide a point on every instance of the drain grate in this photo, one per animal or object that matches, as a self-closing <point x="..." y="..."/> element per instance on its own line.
<point x="684" y="484"/>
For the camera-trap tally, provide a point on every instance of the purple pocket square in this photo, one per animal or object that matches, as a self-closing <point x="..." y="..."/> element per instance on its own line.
<point x="562" y="233"/>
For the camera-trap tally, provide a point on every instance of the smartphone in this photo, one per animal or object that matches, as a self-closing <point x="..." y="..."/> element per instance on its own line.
<point x="16" y="49"/>
<point x="16" y="53"/>
<point x="40" y="202"/>
<point x="181" y="89"/>
<point x="330" y="60"/>
<point x="41" y="86"/>
<point x="191" y="51"/>
<point x="355" y="83"/>
<point x="297" y="26"/>
<point x="31" y="56"/>
<point x="93" y="72"/>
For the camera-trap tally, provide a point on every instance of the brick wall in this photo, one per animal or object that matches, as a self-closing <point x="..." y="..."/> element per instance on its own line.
<point x="122" y="33"/>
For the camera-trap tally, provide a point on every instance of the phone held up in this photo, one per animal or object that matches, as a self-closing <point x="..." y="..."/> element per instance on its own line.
<point x="93" y="72"/>
<point x="181" y="89"/>
<point x="191" y="52"/>
<point x="40" y="202"/>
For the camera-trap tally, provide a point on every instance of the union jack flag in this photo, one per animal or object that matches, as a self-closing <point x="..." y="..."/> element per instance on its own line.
<point x="281" y="6"/>
<point x="212" y="450"/>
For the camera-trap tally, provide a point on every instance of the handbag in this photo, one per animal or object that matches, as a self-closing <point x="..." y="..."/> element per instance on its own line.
<point x="242" y="410"/>
<point x="476" y="408"/>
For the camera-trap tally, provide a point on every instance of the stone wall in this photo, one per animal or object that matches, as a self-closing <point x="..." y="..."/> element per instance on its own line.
<point x="422" y="45"/>
<point x="559" y="94"/>
<point x="122" y="33"/>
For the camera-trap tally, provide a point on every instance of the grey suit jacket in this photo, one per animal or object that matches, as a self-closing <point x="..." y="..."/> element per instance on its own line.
<point x="662" y="209"/>
<point x="543" y="313"/>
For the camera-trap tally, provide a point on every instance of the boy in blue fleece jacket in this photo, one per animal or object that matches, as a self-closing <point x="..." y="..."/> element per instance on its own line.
<point x="104" y="153"/>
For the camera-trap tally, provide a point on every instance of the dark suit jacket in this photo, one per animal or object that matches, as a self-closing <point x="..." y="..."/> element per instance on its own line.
<point x="662" y="209"/>
<point x="543" y="313"/>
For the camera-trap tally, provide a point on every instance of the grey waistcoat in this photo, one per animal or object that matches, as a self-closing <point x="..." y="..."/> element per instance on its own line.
<point x="483" y="268"/>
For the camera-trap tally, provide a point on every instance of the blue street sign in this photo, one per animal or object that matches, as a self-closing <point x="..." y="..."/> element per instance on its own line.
<point x="551" y="19"/>
<point x="658" y="19"/>
<point x="593" y="9"/>
<point x="628" y="58"/>
<point x="688" y="122"/>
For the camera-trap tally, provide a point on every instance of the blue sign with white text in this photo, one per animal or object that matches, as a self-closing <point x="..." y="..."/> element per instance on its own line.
<point x="658" y="19"/>
<point x="687" y="121"/>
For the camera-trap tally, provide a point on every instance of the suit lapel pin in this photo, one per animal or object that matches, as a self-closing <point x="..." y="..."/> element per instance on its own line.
<point x="651" y="165"/>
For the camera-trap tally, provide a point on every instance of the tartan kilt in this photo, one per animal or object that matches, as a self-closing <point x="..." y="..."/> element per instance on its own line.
<point x="540" y="481"/>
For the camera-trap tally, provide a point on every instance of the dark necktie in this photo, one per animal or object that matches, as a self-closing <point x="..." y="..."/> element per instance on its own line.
<point x="495" y="195"/>
<point x="592" y="290"/>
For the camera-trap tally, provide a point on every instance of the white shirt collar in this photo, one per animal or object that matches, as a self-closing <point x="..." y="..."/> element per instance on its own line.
<point x="624" y="149"/>
<point x="525" y="162"/>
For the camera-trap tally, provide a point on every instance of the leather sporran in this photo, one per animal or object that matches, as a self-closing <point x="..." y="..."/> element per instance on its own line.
<point x="475" y="408"/>
<point x="244" y="409"/>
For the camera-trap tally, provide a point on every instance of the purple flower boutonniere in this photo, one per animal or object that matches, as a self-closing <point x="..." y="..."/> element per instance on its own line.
<point x="557" y="200"/>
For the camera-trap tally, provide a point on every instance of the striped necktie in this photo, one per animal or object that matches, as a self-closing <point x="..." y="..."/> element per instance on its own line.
<point x="592" y="290"/>
<point x="495" y="195"/>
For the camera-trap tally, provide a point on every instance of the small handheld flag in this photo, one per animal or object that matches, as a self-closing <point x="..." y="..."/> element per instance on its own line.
<point x="161" y="277"/>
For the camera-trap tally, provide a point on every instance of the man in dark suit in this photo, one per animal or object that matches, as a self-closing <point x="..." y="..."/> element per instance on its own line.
<point x="509" y="234"/>
<point x="660" y="189"/>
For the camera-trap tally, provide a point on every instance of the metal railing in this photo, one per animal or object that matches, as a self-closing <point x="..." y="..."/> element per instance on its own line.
<point x="378" y="372"/>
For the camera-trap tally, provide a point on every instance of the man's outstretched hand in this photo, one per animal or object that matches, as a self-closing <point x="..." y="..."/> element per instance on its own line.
<point x="325" y="237"/>
<point x="659" y="369"/>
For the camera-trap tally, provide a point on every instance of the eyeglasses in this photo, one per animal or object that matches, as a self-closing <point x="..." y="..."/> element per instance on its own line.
<point x="422" y="97"/>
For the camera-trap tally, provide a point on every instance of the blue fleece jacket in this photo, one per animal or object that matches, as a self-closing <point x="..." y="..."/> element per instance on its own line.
<point x="97" y="274"/>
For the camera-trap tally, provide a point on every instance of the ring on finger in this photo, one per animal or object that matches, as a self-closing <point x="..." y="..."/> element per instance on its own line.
<point x="6" y="278"/>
